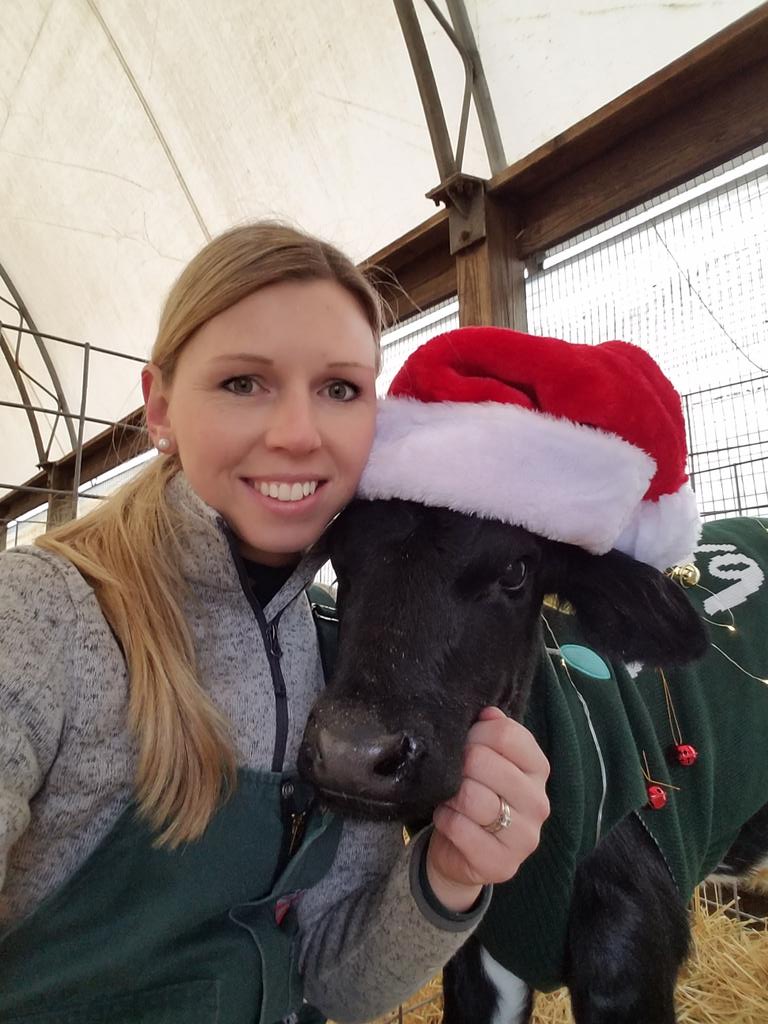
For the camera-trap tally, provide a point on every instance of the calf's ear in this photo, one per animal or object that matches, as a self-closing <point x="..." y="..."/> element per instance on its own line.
<point x="625" y="608"/>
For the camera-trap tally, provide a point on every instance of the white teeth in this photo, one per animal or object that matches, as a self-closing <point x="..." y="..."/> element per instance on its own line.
<point x="288" y="492"/>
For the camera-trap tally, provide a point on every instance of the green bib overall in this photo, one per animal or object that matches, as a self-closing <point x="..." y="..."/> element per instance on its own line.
<point x="201" y="934"/>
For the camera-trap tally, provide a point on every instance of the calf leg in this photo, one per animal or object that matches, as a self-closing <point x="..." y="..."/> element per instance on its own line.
<point x="628" y="932"/>
<point x="478" y="990"/>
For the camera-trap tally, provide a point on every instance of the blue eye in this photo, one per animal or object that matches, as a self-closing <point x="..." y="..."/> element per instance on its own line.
<point x="240" y="385"/>
<point x="342" y="391"/>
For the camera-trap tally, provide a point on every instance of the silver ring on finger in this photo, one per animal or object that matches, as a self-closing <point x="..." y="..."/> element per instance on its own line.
<point x="503" y="819"/>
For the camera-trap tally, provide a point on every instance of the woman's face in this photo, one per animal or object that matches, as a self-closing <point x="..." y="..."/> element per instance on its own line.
<point x="272" y="410"/>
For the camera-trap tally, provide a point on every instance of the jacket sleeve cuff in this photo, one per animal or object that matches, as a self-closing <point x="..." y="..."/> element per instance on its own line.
<point x="428" y="903"/>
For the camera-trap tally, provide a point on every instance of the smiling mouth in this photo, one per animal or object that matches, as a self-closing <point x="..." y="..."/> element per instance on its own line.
<point x="281" y="490"/>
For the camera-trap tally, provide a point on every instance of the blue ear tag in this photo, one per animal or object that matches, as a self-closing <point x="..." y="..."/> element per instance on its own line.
<point x="585" y="660"/>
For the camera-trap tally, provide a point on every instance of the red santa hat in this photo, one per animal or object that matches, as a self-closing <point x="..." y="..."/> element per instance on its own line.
<point x="578" y="443"/>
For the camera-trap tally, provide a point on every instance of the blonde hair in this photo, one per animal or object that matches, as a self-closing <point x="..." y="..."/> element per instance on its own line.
<point x="127" y="548"/>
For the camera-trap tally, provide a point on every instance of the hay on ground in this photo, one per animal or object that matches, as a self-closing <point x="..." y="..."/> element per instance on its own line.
<point x="724" y="982"/>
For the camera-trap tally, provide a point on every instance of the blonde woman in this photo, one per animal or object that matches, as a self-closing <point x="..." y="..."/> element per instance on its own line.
<point x="159" y="860"/>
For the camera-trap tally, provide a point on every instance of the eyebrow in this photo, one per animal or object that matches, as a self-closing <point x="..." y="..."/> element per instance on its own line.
<point x="251" y="357"/>
<point x="247" y="357"/>
<point x="360" y="366"/>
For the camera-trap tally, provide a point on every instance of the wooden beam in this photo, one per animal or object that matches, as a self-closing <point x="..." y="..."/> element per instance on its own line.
<point x="61" y="506"/>
<point x="687" y="142"/>
<point x="490" y="282"/>
<point x="417" y="269"/>
<point x="705" y="108"/>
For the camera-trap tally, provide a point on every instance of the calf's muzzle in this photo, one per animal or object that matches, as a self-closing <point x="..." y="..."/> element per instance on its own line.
<point x="357" y="763"/>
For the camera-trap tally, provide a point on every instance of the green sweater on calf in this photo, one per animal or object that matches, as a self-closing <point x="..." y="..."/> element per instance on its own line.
<point x="720" y="710"/>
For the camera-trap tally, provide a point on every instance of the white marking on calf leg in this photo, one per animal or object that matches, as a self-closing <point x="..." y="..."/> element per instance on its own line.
<point x="511" y="992"/>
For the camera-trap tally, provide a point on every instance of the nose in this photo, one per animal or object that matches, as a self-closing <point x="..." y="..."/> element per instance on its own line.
<point x="355" y="756"/>
<point x="293" y="425"/>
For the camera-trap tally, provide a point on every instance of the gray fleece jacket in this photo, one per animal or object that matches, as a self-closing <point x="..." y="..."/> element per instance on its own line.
<point x="369" y="934"/>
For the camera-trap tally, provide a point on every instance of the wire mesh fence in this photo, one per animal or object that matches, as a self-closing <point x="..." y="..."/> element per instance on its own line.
<point x="727" y="429"/>
<point x="682" y="277"/>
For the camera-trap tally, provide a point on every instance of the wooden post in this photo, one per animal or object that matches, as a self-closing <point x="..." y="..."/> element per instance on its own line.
<point x="490" y="275"/>
<point x="61" y="507"/>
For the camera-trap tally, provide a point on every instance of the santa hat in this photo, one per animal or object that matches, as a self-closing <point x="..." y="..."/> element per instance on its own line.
<point x="578" y="443"/>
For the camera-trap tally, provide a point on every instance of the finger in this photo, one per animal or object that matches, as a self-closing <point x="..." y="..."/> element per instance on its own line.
<point x="512" y="741"/>
<point x="485" y="858"/>
<point x="476" y="802"/>
<point x="523" y="792"/>
<point x="489" y="713"/>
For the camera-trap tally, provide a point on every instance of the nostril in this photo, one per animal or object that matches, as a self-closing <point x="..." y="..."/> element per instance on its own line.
<point x="400" y="758"/>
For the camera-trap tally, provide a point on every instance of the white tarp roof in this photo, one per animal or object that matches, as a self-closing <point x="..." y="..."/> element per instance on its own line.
<point x="132" y="130"/>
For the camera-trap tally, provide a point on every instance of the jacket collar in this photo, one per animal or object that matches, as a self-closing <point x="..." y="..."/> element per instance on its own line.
<point x="208" y="559"/>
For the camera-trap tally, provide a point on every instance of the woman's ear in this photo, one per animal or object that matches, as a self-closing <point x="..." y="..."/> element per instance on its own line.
<point x="155" y="403"/>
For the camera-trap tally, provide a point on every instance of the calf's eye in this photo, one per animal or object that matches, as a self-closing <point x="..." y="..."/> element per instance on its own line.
<point x="514" y="576"/>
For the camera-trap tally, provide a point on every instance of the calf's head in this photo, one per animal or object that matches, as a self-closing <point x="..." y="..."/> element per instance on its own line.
<point x="439" y="617"/>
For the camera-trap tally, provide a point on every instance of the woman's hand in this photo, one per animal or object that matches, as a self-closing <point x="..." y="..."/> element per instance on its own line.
<point x="502" y="761"/>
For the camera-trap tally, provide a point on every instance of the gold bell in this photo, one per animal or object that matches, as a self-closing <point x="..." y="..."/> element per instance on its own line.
<point x="686" y="574"/>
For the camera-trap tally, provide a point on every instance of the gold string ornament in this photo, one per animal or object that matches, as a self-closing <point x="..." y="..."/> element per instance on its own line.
<point x="684" y="754"/>
<point x="657" y="798"/>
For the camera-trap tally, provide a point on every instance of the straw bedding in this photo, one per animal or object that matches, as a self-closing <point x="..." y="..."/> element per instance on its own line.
<point x="724" y="982"/>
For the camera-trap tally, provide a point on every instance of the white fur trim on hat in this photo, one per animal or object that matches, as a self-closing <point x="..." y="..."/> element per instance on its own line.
<point x="663" y="532"/>
<point x="563" y="480"/>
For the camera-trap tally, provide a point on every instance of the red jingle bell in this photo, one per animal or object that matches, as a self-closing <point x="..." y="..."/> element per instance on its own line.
<point x="684" y="754"/>
<point x="657" y="798"/>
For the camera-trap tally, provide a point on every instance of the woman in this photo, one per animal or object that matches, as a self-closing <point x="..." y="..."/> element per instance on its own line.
<point x="159" y="860"/>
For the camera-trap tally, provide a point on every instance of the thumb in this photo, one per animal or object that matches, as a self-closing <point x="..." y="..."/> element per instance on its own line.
<point x="489" y="713"/>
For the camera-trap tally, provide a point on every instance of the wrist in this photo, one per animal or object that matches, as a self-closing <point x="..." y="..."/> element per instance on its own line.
<point x="457" y="897"/>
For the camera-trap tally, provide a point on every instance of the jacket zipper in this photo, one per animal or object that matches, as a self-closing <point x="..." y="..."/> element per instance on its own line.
<point x="274" y="653"/>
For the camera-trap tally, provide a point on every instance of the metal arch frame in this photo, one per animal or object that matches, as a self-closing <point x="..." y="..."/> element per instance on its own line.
<point x="460" y="33"/>
<point x="24" y="395"/>
<point x="463" y="194"/>
<point x="17" y="371"/>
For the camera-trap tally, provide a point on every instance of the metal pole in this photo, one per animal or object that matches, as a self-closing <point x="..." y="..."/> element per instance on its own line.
<point x="42" y="490"/>
<point x="480" y="92"/>
<point x="24" y="394"/>
<point x="77" y="344"/>
<point x="81" y="427"/>
<point x="737" y="488"/>
<point x="425" y="80"/>
<point x="469" y="74"/>
<point x="44" y="354"/>
<point x="69" y="415"/>
<point x="689" y="431"/>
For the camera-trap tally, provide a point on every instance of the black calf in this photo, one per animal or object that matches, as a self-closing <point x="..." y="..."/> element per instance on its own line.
<point x="441" y="616"/>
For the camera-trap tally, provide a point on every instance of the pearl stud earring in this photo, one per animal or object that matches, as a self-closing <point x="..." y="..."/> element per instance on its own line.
<point x="163" y="444"/>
